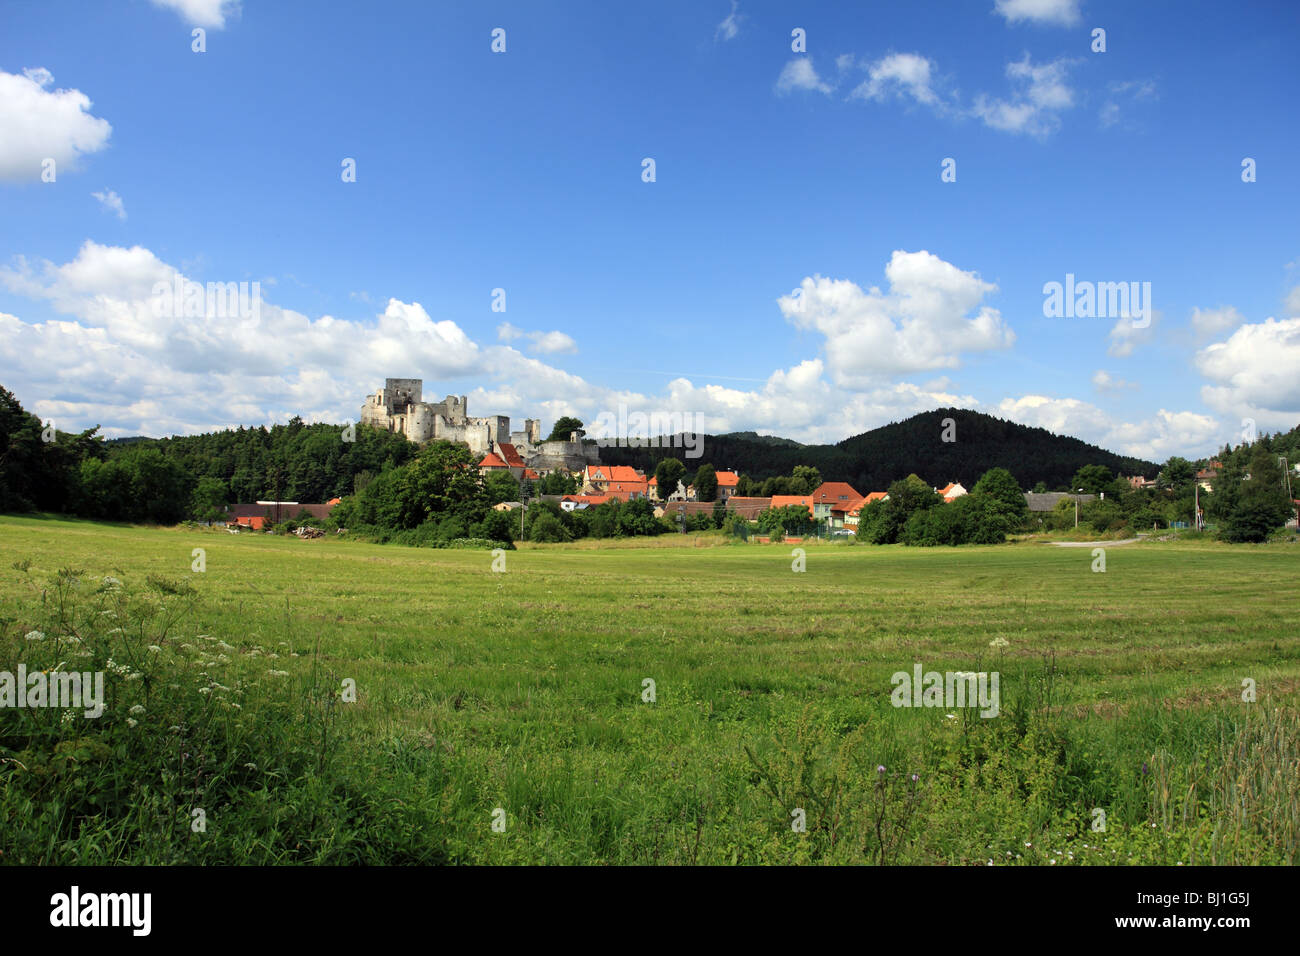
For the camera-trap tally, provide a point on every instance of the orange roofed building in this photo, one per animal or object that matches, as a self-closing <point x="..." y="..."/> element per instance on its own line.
<point x="597" y="478"/>
<point x="951" y="491"/>
<point x="492" y="462"/>
<point x="781" y="501"/>
<point x="854" y="513"/>
<point x="727" y="482"/>
<point x="626" y="490"/>
<point x="832" y="501"/>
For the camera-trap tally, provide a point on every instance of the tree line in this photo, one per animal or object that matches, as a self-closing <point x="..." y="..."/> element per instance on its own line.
<point x="434" y="495"/>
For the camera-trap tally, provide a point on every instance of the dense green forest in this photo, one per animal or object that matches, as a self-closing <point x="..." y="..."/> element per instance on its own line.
<point x="874" y="459"/>
<point x="169" y="479"/>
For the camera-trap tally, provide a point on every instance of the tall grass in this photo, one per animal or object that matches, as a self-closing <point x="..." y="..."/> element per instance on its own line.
<point x="521" y="691"/>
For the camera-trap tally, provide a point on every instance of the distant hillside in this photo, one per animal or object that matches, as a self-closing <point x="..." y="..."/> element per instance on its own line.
<point x="872" y="460"/>
<point x="982" y="442"/>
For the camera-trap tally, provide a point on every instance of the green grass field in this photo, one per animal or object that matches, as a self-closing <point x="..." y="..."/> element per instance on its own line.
<point x="1120" y="692"/>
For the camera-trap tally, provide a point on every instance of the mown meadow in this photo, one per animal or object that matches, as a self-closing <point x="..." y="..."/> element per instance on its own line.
<point x="505" y="716"/>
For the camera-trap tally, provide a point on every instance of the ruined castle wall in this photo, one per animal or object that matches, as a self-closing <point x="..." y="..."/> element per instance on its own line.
<point x="564" y="455"/>
<point x="402" y="391"/>
<point x="473" y="432"/>
<point x="374" y="412"/>
<point x="420" y="422"/>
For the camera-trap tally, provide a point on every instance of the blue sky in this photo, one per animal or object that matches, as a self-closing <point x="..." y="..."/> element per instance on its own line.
<point x="775" y="170"/>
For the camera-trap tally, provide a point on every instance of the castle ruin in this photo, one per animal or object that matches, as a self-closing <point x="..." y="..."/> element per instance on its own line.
<point x="400" y="407"/>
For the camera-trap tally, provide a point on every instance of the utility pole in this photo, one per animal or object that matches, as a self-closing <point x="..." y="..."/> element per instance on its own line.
<point x="1286" y="477"/>
<point x="523" y="505"/>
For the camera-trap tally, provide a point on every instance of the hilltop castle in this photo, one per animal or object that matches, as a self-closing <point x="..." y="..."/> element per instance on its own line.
<point x="399" y="407"/>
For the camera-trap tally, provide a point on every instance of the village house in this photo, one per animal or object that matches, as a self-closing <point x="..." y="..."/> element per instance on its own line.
<point x="747" y="508"/>
<point x="596" y="478"/>
<point x="491" y="462"/>
<point x="806" y="501"/>
<point x="727" y="482"/>
<point x="950" y="492"/>
<point x="626" y="490"/>
<point x="1205" y="477"/>
<point x="832" y="501"/>
<point x="582" y="502"/>
<point x="852" y="516"/>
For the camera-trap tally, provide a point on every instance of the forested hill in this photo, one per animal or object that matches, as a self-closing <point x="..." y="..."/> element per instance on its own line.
<point x="981" y="442"/>
<point x="872" y="460"/>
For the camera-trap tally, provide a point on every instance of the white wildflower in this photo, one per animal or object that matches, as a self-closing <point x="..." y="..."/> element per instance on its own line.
<point x="35" y="635"/>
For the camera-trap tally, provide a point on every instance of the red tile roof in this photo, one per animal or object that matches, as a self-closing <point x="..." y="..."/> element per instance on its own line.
<point x="612" y="473"/>
<point x="510" y="455"/>
<point x="780" y="501"/>
<point x="490" y="460"/>
<point x="591" y="500"/>
<point x="728" y="479"/>
<point x="857" y="506"/>
<point x="838" y="494"/>
<point x="747" y="508"/>
<point x="624" y="490"/>
<point x="531" y="475"/>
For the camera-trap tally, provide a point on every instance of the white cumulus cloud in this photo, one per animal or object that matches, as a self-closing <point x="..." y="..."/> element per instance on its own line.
<point x="1254" y="373"/>
<point x="799" y="74"/>
<point x="1052" y="12"/>
<point x="40" y="124"/>
<point x="932" y="314"/>
<point x="906" y="75"/>
<point x="211" y="14"/>
<point x="1041" y="93"/>
<point x="544" y="343"/>
<point x="1155" y="438"/>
